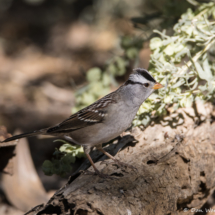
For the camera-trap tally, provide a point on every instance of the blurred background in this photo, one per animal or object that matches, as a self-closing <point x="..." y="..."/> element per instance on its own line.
<point x="47" y="48"/>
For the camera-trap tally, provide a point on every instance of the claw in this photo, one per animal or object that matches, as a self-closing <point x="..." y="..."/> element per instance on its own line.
<point x="117" y="162"/>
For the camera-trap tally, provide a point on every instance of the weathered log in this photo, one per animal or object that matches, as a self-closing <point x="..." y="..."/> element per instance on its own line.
<point x="175" y="171"/>
<point x="7" y="152"/>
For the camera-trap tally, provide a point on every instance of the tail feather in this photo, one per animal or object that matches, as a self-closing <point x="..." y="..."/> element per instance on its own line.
<point x="29" y="134"/>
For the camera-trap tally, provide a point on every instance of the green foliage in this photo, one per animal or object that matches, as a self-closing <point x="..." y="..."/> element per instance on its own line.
<point x="62" y="159"/>
<point x="183" y="64"/>
<point x="100" y="82"/>
<point x="180" y="62"/>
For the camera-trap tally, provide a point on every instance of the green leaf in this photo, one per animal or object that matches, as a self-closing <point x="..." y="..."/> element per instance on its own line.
<point x="155" y="43"/>
<point x="169" y="50"/>
<point x="132" y="53"/>
<point x="168" y="99"/>
<point x="194" y="86"/>
<point x="65" y="148"/>
<point x="187" y="101"/>
<point x="181" y="53"/>
<point x="203" y="88"/>
<point x="106" y="79"/>
<point x="200" y="71"/>
<point x="94" y="74"/>
<point x="47" y="167"/>
<point x="146" y="120"/>
<point x="60" y="140"/>
<point x="179" y="83"/>
<point x="193" y="82"/>
<point x="207" y="69"/>
<point x="89" y="98"/>
<point x="68" y="159"/>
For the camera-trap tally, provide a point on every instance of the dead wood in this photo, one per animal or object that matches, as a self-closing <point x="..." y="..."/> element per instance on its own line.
<point x="24" y="188"/>
<point x="7" y="152"/>
<point x="175" y="170"/>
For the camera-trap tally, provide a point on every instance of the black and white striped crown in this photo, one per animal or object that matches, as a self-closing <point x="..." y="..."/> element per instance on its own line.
<point x="140" y="75"/>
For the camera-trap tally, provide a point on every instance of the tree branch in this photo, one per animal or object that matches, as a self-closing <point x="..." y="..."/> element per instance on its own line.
<point x="175" y="162"/>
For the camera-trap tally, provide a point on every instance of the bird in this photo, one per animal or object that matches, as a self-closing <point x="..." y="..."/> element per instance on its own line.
<point x="105" y="119"/>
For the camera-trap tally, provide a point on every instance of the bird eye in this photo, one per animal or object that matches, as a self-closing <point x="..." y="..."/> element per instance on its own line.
<point x="146" y="84"/>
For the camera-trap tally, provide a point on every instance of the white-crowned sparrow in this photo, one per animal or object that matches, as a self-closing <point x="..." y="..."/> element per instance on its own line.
<point x="105" y="119"/>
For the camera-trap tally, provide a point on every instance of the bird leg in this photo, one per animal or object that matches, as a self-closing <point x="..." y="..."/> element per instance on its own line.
<point x="97" y="172"/>
<point x="87" y="153"/>
<point x="92" y="163"/>
<point x="116" y="161"/>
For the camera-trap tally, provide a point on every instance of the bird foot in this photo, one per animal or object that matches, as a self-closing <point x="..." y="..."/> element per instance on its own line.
<point x="121" y="164"/>
<point x="97" y="172"/>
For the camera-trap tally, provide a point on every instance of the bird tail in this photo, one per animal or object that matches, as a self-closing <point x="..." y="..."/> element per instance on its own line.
<point x="29" y="134"/>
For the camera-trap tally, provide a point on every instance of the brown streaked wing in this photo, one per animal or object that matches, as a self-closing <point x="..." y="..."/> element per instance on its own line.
<point x="90" y="115"/>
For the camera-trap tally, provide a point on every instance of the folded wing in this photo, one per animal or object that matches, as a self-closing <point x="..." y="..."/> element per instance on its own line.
<point x="88" y="116"/>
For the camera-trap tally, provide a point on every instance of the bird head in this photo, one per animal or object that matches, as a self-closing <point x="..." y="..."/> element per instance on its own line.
<point x="141" y="85"/>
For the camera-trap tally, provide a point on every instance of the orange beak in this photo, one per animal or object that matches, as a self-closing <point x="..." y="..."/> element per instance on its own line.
<point x="157" y="86"/>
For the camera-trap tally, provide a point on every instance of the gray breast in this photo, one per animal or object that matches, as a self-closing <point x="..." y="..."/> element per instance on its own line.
<point x="118" y="120"/>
